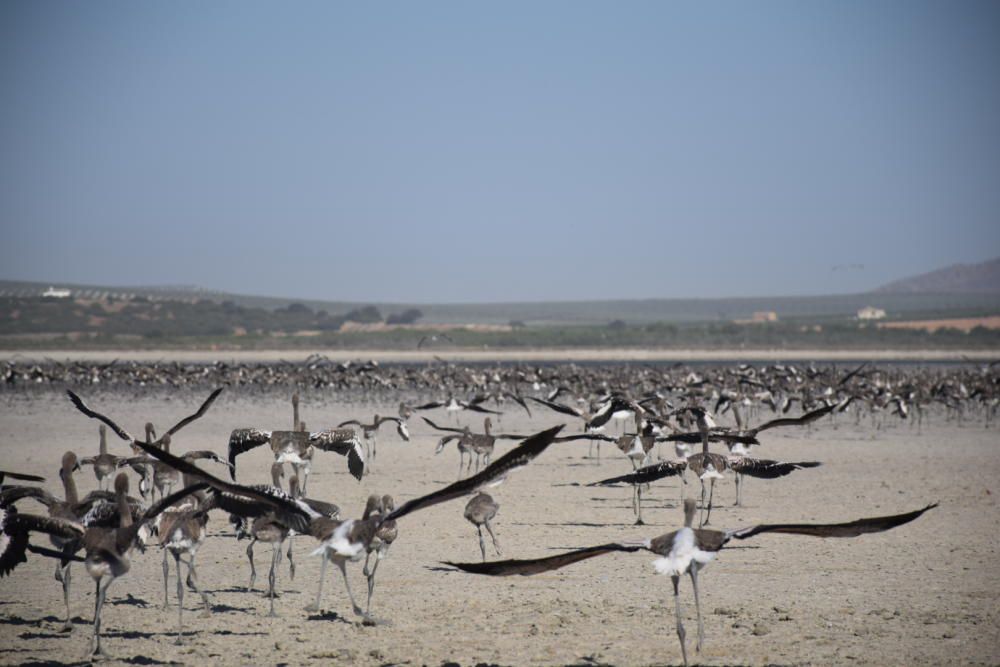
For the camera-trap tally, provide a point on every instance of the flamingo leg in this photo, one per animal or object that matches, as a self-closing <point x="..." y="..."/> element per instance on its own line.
<point x="102" y="588"/>
<point x="680" y="625"/>
<point x="166" y="579"/>
<point x="638" y="502"/>
<point x="68" y="625"/>
<point x="192" y="579"/>
<point x="701" y="517"/>
<point x="371" y="583"/>
<point x="496" y="545"/>
<point x="319" y="591"/>
<point x="711" y="492"/>
<point x="697" y="605"/>
<point x="342" y="564"/>
<point x="253" y="569"/>
<point x="482" y="544"/>
<point x="275" y="558"/>
<point x="180" y="599"/>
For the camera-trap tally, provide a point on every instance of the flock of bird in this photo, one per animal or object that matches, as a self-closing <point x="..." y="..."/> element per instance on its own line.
<point x="676" y="408"/>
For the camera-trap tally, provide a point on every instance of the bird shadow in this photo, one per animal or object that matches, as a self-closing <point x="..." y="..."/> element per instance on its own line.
<point x="228" y="633"/>
<point x="17" y="620"/>
<point x="231" y="589"/>
<point x="372" y="622"/>
<point x="328" y="616"/>
<point x="137" y="634"/>
<point x="146" y="660"/>
<point x="222" y="608"/>
<point x="54" y="663"/>
<point x="130" y="599"/>
<point x="438" y="568"/>
<point x="577" y="524"/>
<point x="223" y="533"/>
<point x="45" y="635"/>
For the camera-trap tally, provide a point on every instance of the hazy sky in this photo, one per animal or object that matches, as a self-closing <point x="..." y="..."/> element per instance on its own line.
<point x="431" y="151"/>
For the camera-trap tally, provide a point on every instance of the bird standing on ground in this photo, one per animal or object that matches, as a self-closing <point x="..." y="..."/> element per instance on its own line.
<point x="479" y="511"/>
<point x="107" y="548"/>
<point x="385" y="535"/>
<point x="297" y="447"/>
<point x="343" y="541"/>
<point x="182" y="531"/>
<point x="104" y="464"/>
<point x="370" y="432"/>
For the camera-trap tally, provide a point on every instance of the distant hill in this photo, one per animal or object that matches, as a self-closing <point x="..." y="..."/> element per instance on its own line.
<point x="899" y="303"/>
<point x="983" y="278"/>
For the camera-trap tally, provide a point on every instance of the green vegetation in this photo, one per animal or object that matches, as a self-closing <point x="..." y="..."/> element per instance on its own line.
<point x="574" y="313"/>
<point x="408" y="316"/>
<point x="37" y="323"/>
<point x="140" y="317"/>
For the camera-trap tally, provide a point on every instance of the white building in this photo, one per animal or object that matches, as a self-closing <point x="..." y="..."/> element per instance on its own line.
<point x="871" y="313"/>
<point x="57" y="293"/>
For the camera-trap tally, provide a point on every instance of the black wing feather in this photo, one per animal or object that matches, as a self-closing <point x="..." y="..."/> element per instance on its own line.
<point x="441" y="428"/>
<point x="241" y="505"/>
<point x="12" y="494"/>
<point x="796" y="421"/>
<point x="203" y="454"/>
<point x="46" y="524"/>
<point x="849" y="529"/>
<point x="172" y="499"/>
<point x="527" y="567"/>
<point x="646" y="474"/>
<point x="515" y="458"/>
<point x="243" y="440"/>
<point x="53" y="553"/>
<point x="82" y="407"/>
<point x="20" y="476"/>
<point x="767" y="469"/>
<point x="345" y="443"/>
<point x="857" y="370"/>
<point x="520" y="401"/>
<point x="296" y="517"/>
<point x="479" y="408"/>
<point x="558" y="407"/>
<point x="201" y="411"/>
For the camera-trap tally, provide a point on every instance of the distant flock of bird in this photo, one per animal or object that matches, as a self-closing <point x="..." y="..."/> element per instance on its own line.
<point x="676" y="407"/>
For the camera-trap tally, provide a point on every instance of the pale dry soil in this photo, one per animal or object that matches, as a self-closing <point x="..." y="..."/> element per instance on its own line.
<point x="926" y="593"/>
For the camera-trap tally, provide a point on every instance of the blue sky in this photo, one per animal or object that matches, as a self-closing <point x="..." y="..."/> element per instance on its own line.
<point x="440" y="151"/>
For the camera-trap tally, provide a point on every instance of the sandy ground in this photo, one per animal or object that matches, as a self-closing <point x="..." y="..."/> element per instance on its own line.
<point x="488" y="355"/>
<point x="925" y="593"/>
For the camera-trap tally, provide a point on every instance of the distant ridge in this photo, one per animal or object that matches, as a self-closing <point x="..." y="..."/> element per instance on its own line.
<point x="982" y="278"/>
<point x="901" y="303"/>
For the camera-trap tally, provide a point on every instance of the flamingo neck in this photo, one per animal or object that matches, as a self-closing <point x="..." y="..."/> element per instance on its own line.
<point x="69" y="487"/>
